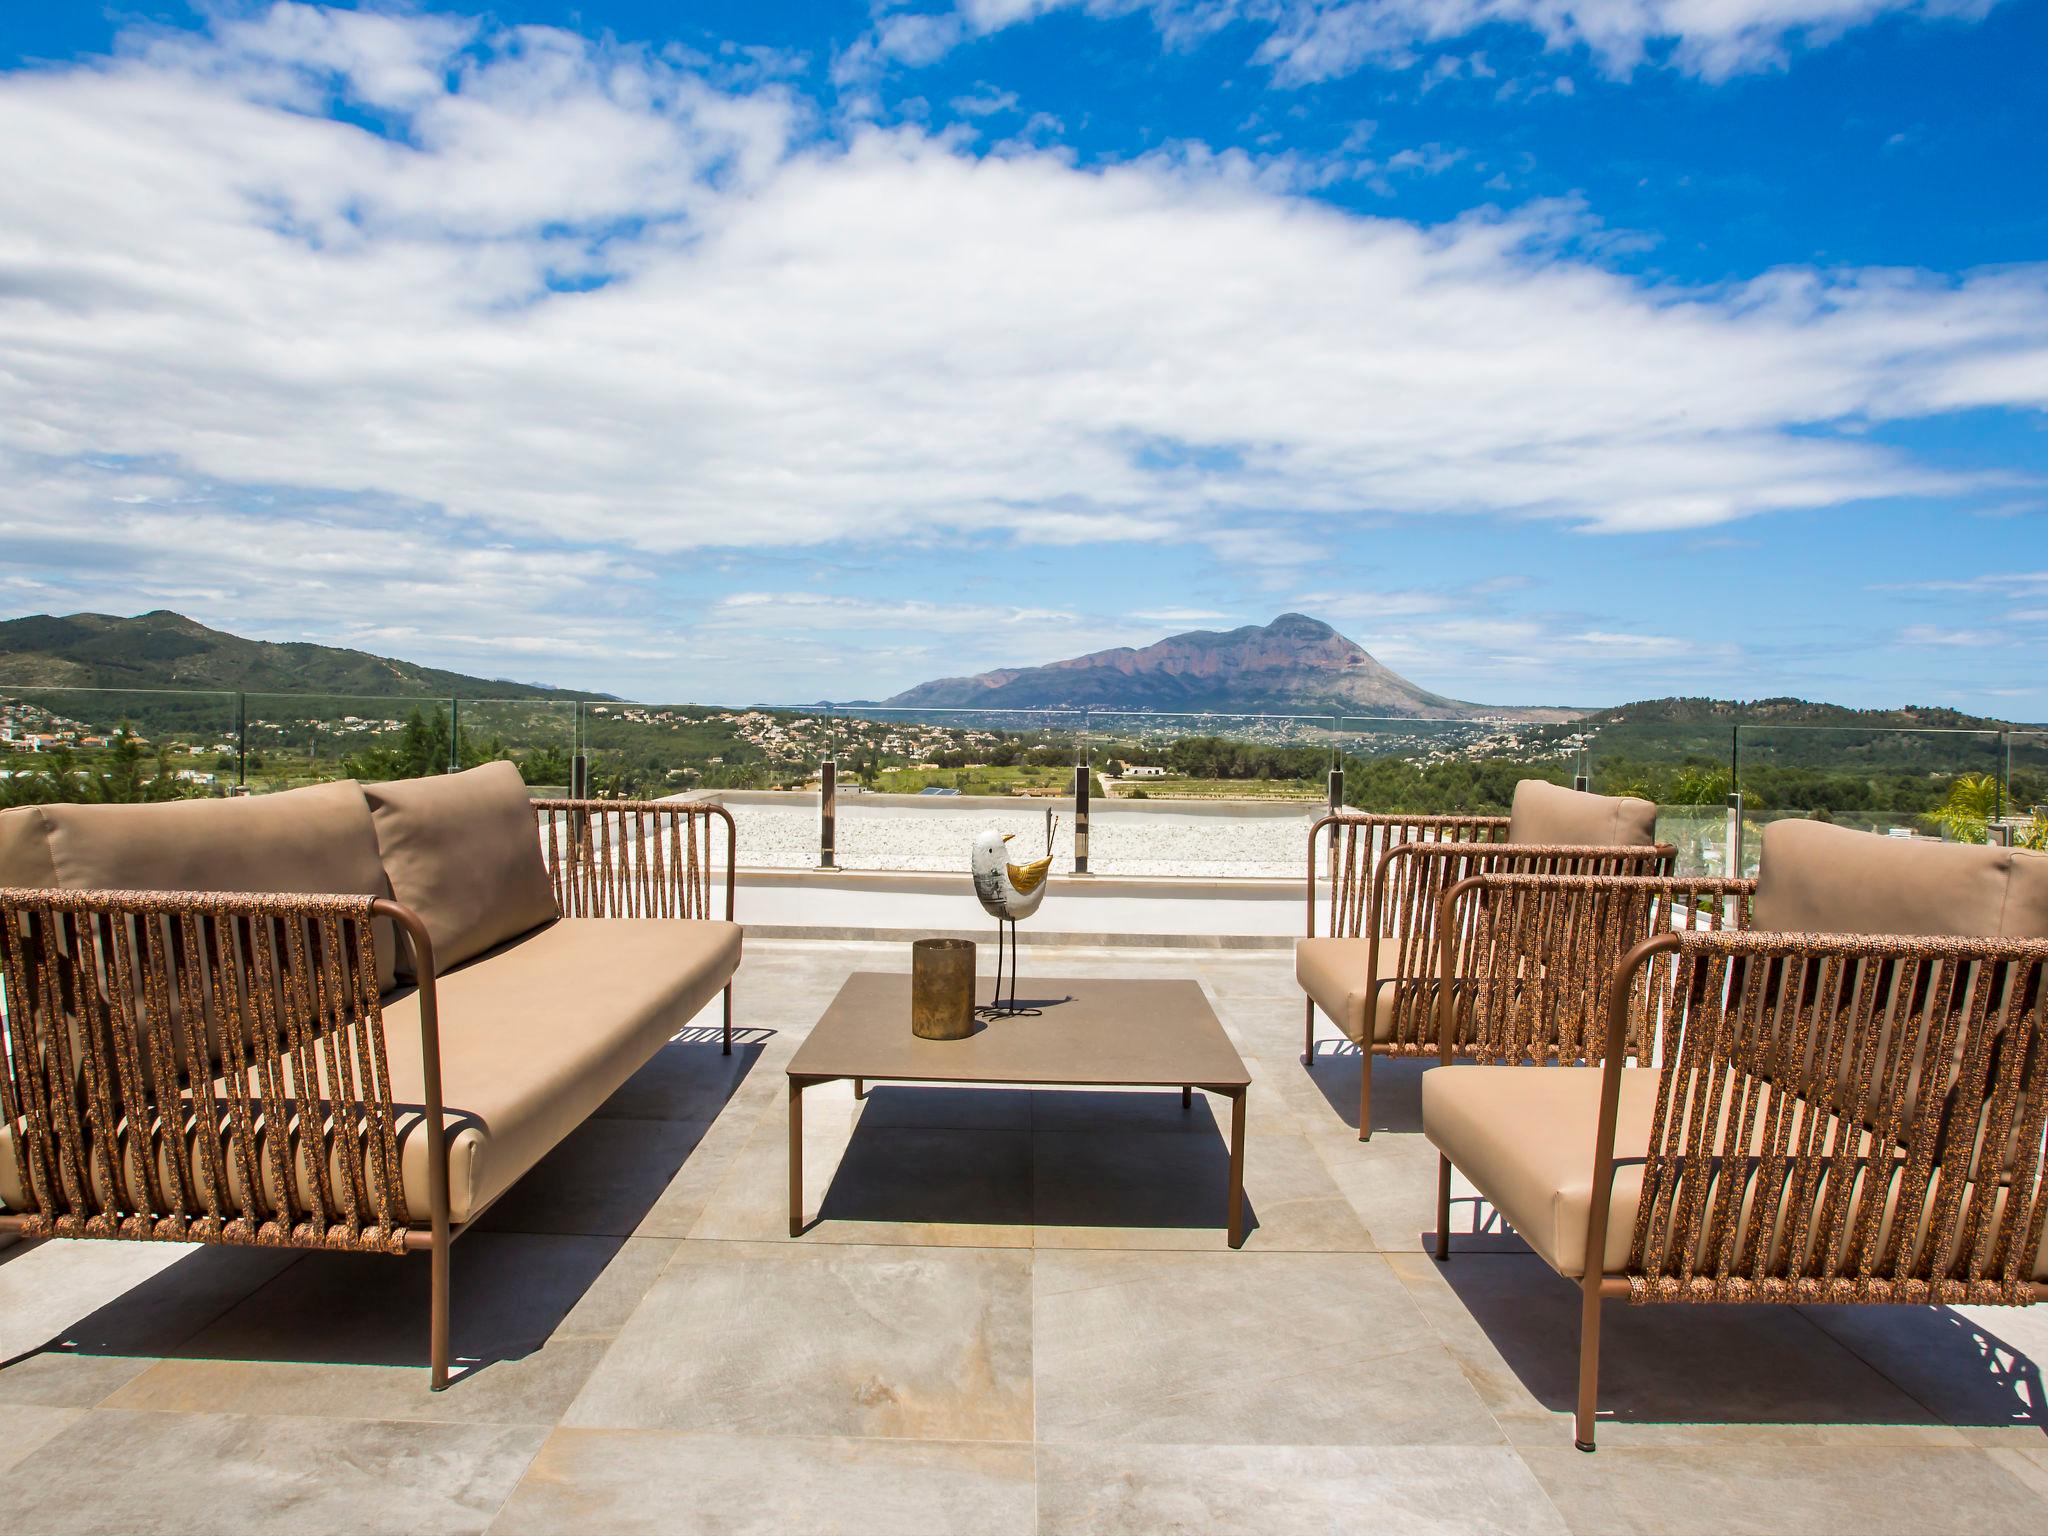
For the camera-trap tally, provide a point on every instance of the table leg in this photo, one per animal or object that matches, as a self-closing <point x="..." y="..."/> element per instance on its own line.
<point x="1237" y="1168"/>
<point x="1187" y="1097"/>
<point x="796" y="1156"/>
<point x="860" y="1090"/>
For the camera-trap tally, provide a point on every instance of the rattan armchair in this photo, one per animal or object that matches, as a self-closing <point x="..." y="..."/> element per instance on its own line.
<point x="233" y="1067"/>
<point x="1375" y="973"/>
<point x="1761" y="1116"/>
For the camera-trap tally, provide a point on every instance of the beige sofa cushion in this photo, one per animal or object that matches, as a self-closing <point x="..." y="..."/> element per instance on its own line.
<point x="1523" y="1137"/>
<point x="533" y="1039"/>
<point x="463" y="851"/>
<point x="316" y="841"/>
<point x="1549" y="813"/>
<point x="1818" y="878"/>
<point x="1336" y="974"/>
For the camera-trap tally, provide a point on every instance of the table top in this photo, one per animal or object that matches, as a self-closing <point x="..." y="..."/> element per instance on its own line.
<point x="1096" y="1031"/>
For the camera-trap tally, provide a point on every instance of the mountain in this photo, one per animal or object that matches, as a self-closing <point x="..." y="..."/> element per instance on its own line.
<point x="1294" y="665"/>
<point x="168" y="650"/>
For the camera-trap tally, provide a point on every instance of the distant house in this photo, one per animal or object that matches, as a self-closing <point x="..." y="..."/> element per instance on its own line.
<point x="1142" y="771"/>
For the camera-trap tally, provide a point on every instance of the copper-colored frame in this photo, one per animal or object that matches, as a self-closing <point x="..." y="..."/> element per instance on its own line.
<point x="103" y="988"/>
<point x="1394" y="865"/>
<point x="1798" y="1058"/>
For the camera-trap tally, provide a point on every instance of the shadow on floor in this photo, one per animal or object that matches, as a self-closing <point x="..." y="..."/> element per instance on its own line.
<point x="1753" y="1364"/>
<point x="514" y="1276"/>
<point x="1082" y="1158"/>
<point x="1396" y="1086"/>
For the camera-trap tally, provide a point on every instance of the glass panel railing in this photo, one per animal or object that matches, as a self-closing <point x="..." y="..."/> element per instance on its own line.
<point x="1688" y="771"/>
<point x="1446" y="767"/>
<point x="538" y="736"/>
<point x="651" y="751"/>
<point x="2026" y="787"/>
<point x="118" y="744"/>
<point x="1902" y="783"/>
<point x="1204" y="794"/>
<point x="295" y="739"/>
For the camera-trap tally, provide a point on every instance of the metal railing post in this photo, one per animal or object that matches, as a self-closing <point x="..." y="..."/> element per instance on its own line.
<point x="455" y="735"/>
<point x="1082" y="774"/>
<point x="1734" y="836"/>
<point x="242" y="743"/>
<point x="828" y="812"/>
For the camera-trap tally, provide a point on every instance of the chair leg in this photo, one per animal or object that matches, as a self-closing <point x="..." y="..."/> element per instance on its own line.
<point x="1589" y="1363"/>
<point x="1365" y="1093"/>
<point x="1308" y="1034"/>
<point x="437" y="1317"/>
<point x="1443" y="1208"/>
<point x="728" y="1019"/>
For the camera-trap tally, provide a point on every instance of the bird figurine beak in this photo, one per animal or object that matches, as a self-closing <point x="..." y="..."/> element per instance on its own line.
<point x="1008" y="835"/>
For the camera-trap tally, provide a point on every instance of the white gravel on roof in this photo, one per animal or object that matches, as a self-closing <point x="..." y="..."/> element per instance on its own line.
<point x="935" y="837"/>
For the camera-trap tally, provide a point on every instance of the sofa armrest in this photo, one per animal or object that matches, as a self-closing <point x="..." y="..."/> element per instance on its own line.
<point x="1886" y="1095"/>
<point x="636" y="858"/>
<point x="158" y="1040"/>
<point x="1360" y="840"/>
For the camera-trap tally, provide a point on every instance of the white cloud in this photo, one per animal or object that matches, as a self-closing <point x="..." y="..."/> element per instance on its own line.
<point x="985" y="101"/>
<point x="582" y="294"/>
<point x="1313" y="40"/>
<point x="1972" y="639"/>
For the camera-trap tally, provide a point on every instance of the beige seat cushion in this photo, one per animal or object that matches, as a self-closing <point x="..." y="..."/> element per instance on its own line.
<point x="463" y="851"/>
<point x="316" y="841"/>
<point x="1550" y="813"/>
<point x="1335" y="973"/>
<point x="1524" y="1138"/>
<point x="533" y="1039"/>
<point x="1819" y="878"/>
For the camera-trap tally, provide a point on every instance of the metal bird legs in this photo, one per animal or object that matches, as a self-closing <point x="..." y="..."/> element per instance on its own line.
<point x="997" y="1008"/>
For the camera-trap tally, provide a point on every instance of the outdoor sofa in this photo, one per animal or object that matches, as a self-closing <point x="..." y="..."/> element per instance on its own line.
<point x="1374" y="973"/>
<point x="1824" y="1085"/>
<point x="345" y="1017"/>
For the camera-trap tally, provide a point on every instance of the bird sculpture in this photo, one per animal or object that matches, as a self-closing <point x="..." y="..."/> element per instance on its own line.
<point x="1007" y="892"/>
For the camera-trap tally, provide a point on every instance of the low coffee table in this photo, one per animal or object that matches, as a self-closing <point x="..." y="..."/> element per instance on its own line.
<point x="1093" y="1032"/>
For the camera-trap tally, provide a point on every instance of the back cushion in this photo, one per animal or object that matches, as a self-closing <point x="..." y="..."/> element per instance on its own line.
<point x="1819" y="878"/>
<point x="316" y="841"/>
<point x="463" y="851"/>
<point x="1549" y="813"/>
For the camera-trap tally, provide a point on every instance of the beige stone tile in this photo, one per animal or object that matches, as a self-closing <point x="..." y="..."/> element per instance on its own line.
<point x="1146" y="1189"/>
<point x="82" y="1317"/>
<point x="807" y="1339"/>
<point x="1873" y="1491"/>
<point x="1979" y="1368"/>
<point x="1669" y="1375"/>
<point x="690" y="1078"/>
<point x="346" y="1336"/>
<point x="24" y="1428"/>
<point x="1240" y="1349"/>
<point x="149" y="1473"/>
<point x="631" y="1272"/>
<point x="622" y="1482"/>
<point x="682" y="1203"/>
<point x="957" y="1188"/>
<point x="601" y="1180"/>
<point x="1280" y="1490"/>
<point x="1396" y="1089"/>
<point x="1390" y="1182"/>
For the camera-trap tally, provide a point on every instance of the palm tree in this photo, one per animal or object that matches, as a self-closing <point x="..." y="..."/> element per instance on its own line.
<point x="1974" y="799"/>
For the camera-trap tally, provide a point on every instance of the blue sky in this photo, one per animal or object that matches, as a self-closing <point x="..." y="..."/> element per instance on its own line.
<point x="1556" y="352"/>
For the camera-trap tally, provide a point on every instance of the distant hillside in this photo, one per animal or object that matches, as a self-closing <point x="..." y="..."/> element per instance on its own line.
<point x="1762" y="712"/>
<point x="1294" y="665"/>
<point x="168" y="650"/>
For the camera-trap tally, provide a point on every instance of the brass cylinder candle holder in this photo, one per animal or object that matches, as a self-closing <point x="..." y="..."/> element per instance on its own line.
<point x="942" y="989"/>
